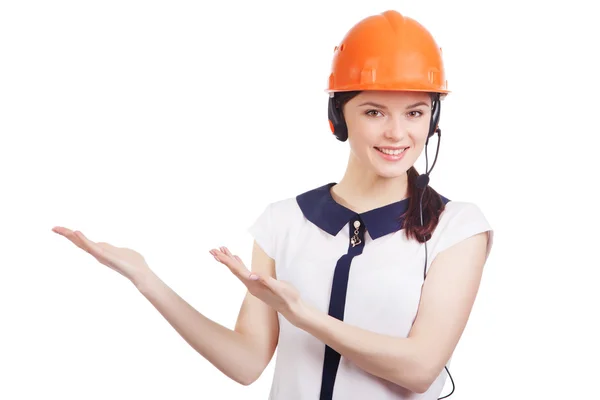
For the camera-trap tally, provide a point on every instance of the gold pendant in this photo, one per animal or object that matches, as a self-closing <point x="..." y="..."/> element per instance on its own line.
<point x="355" y="240"/>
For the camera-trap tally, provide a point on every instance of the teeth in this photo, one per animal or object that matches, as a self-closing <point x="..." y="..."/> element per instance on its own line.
<point x="391" y="152"/>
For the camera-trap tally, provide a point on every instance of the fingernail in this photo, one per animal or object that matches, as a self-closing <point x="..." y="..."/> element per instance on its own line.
<point x="254" y="277"/>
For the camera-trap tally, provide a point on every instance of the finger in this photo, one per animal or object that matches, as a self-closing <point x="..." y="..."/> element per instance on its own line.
<point x="69" y="234"/>
<point x="62" y="231"/>
<point x="251" y="275"/>
<point x="227" y="254"/>
<point x="214" y="254"/>
<point x="241" y="266"/>
<point x="226" y="251"/>
<point x="89" y="245"/>
<point x="220" y="256"/>
<point x="81" y="241"/>
<point x="243" y="269"/>
<point x="238" y="269"/>
<point x="254" y="277"/>
<point x="270" y="283"/>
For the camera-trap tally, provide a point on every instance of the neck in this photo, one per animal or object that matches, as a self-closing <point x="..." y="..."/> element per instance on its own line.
<point x="361" y="190"/>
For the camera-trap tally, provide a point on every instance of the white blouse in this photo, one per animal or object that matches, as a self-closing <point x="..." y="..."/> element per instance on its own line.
<point x="375" y="284"/>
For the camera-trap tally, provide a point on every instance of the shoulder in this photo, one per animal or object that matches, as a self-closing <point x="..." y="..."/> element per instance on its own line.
<point x="461" y="209"/>
<point x="460" y="212"/>
<point x="271" y="224"/>
<point x="277" y="216"/>
<point x="458" y="221"/>
<point x="282" y="208"/>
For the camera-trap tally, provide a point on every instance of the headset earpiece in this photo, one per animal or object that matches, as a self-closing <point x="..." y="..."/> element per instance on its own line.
<point x="435" y="117"/>
<point x="336" y="121"/>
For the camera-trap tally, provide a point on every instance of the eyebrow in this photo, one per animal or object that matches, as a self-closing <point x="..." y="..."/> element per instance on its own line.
<point x="370" y="103"/>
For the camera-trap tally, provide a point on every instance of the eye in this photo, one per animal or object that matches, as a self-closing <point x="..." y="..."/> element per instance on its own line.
<point x="372" y="113"/>
<point x="415" y="114"/>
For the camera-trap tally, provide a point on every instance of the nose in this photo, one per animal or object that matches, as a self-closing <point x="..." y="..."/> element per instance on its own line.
<point x="395" y="130"/>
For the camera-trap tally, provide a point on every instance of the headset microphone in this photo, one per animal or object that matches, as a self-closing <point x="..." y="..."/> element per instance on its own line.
<point x="422" y="181"/>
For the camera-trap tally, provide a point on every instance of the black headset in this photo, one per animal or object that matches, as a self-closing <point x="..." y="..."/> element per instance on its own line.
<point x="340" y="131"/>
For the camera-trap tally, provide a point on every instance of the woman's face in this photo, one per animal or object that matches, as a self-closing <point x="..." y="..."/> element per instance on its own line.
<point x="383" y="123"/>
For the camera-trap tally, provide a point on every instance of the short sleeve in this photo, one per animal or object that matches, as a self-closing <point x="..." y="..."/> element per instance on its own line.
<point x="262" y="231"/>
<point x="464" y="220"/>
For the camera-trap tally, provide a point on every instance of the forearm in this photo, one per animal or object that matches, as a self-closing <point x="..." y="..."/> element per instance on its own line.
<point x="392" y="358"/>
<point x="228" y="350"/>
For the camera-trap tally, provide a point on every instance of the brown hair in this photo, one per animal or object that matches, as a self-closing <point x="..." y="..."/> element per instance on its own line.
<point x="433" y="204"/>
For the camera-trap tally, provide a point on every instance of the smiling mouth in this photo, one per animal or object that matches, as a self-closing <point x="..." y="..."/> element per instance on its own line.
<point x="390" y="152"/>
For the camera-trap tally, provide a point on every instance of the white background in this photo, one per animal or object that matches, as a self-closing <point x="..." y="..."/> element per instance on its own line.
<point x="167" y="127"/>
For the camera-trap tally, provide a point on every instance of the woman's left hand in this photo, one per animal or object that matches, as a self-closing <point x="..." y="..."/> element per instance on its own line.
<point x="279" y="295"/>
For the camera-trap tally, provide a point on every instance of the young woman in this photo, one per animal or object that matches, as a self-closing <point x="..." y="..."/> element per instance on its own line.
<point x="364" y="286"/>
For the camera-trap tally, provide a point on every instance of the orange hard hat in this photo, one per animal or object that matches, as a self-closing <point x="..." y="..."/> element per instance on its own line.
<point x="388" y="51"/>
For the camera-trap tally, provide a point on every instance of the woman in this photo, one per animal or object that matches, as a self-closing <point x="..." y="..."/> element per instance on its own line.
<point x="337" y="277"/>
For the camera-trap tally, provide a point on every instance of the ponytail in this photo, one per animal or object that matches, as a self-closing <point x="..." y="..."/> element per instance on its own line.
<point x="432" y="208"/>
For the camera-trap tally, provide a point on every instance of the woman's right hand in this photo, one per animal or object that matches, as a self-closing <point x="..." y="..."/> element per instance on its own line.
<point x="126" y="262"/>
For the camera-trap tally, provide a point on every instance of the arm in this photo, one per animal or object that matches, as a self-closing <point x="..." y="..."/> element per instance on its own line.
<point x="446" y="302"/>
<point x="243" y="353"/>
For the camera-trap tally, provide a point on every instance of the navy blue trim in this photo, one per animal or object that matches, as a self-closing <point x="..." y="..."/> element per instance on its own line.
<point x="337" y="304"/>
<point x="319" y="207"/>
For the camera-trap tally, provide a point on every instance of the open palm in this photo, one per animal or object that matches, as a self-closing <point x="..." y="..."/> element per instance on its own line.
<point x="282" y="296"/>
<point x="126" y="262"/>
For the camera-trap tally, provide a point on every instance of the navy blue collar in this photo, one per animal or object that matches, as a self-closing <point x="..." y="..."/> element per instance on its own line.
<point x="319" y="207"/>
